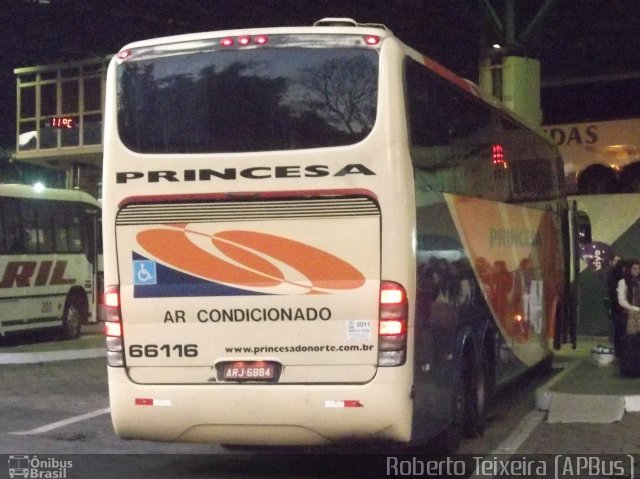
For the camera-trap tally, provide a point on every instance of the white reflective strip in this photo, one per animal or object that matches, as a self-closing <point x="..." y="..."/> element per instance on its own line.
<point x="334" y="404"/>
<point x="162" y="402"/>
<point x="64" y="422"/>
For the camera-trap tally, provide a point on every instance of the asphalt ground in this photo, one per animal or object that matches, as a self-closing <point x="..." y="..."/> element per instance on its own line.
<point x="583" y="408"/>
<point x="580" y="372"/>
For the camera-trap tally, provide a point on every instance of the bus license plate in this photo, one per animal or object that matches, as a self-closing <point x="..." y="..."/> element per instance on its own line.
<point x="249" y="371"/>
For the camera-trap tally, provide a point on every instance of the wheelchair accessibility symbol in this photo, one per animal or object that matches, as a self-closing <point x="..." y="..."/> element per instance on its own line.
<point x="144" y="272"/>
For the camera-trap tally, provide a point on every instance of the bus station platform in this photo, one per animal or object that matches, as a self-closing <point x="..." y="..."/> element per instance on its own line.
<point x="586" y="389"/>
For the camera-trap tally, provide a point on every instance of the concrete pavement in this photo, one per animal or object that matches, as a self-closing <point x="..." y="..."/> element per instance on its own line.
<point x="586" y="391"/>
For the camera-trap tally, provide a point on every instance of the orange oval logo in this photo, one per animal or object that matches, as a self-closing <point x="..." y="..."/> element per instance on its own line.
<point x="250" y="259"/>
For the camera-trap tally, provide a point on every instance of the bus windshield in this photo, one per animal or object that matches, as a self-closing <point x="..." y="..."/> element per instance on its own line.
<point x="243" y="100"/>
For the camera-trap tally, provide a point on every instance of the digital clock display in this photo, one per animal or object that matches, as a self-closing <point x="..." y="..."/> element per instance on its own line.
<point x="63" y="122"/>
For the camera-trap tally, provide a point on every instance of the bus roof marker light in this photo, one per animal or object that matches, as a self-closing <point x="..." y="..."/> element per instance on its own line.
<point x="227" y="42"/>
<point x="372" y="39"/>
<point x="244" y="40"/>
<point x="38" y="187"/>
<point x="124" y="54"/>
<point x="261" y="40"/>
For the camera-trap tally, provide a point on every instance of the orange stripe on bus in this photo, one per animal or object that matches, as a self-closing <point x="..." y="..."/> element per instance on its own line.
<point x="174" y="248"/>
<point x="323" y="269"/>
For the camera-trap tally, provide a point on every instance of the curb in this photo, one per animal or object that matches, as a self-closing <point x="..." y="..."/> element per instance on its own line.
<point x="545" y="396"/>
<point x="49" y="356"/>
<point x="90" y="345"/>
<point x="544" y="393"/>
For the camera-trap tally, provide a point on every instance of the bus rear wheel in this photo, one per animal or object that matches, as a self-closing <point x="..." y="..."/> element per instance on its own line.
<point x="448" y="441"/>
<point x="72" y="318"/>
<point x="469" y="402"/>
<point x="477" y="390"/>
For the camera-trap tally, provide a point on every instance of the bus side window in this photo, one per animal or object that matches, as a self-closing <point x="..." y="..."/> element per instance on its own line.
<point x="448" y="132"/>
<point x="532" y="163"/>
<point x="428" y="132"/>
<point x="30" y="230"/>
<point x="15" y="237"/>
<point x="3" y="233"/>
<point x="44" y="227"/>
<point x="61" y="231"/>
<point x="470" y="124"/>
<point x="75" y="231"/>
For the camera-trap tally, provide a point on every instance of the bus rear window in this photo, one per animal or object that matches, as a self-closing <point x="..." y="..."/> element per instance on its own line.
<point x="247" y="100"/>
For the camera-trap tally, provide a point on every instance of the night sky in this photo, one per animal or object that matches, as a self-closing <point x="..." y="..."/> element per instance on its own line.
<point x="576" y="39"/>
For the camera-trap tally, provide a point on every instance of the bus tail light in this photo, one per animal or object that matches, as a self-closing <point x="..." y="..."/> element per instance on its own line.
<point x="110" y="314"/>
<point x="392" y="332"/>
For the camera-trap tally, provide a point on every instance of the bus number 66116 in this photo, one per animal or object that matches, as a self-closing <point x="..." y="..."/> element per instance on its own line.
<point x="163" y="350"/>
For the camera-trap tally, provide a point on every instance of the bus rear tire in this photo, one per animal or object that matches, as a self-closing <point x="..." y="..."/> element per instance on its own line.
<point x="478" y="387"/>
<point x="72" y="318"/>
<point x="448" y="441"/>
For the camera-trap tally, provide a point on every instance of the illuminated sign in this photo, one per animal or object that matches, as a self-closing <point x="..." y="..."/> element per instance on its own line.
<point x="497" y="156"/>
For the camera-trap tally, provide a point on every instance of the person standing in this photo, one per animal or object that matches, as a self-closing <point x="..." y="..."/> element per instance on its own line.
<point x="629" y="296"/>
<point x="617" y="316"/>
<point x="629" y="301"/>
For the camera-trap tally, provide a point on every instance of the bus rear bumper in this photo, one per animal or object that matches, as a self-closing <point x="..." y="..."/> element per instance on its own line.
<point x="260" y="414"/>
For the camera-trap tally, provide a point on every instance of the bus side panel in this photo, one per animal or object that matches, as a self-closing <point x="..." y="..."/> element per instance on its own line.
<point x="34" y="288"/>
<point x="516" y="253"/>
<point x="502" y="274"/>
<point x="449" y="306"/>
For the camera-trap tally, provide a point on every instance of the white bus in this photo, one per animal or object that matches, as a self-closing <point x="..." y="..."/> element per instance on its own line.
<point x="49" y="259"/>
<point x="317" y="234"/>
